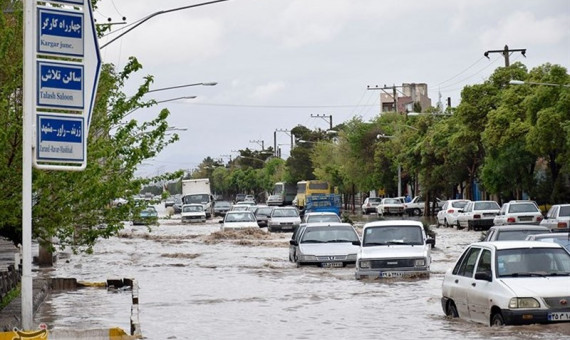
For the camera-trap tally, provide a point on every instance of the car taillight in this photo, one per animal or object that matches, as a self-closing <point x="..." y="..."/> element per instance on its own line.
<point x="511" y="220"/>
<point x="562" y="225"/>
<point x="539" y="218"/>
<point x="476" y="216"/>
<point x="450" y="211"/>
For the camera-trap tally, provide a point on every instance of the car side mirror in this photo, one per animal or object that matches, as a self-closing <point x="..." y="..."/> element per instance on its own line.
<point x="293" y="243"/>
<point x="356" y="243"/>
<point x="430" y="241"/>
<point x="221" y="221"/>
<point x="485" y="276"/>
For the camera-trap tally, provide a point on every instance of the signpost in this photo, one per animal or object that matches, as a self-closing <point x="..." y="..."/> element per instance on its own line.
<point x="61" y="72"/>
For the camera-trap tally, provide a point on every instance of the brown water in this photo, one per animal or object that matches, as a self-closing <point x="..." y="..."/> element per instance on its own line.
<point x="197" y="283"/>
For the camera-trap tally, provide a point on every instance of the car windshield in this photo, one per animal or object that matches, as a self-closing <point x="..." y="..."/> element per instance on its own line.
<point x="263" y="211"/>
<point x="199" y="198"/>
<point x="222" y="204"/>
<point x="486" y="206"/>
<point x="323" y="218"/>
<point x="408" y="235"/>
<point x="240" y="217"/>
<point x="332" y="234"/>
<point x="522" y="208"/>
<point x="525" y="262"/>
<point x="515" y="235"/>
<point x="284" y="213"/>
<point x="192" y="208"/>
<point x="565" y="211"/>
<point x="459" y="204"/>
<point x="374" y="200"/>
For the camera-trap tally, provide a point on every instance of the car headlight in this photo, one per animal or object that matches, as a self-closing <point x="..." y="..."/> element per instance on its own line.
<point x="351" y="257"/>
<point x="420" y="263"/>
<point x="365" y="264"/>
<point x="526" y="302"/>
<point x="307" y="258"/>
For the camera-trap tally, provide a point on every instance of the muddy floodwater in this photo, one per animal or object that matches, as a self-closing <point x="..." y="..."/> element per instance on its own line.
<point x="198" y="283"/>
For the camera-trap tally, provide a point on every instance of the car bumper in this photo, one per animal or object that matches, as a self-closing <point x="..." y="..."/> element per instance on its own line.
<point x="526" y="317"/>
<point x="482" y="223"/>
<point x="391" y="274"/>
<point x="282" y="227"/>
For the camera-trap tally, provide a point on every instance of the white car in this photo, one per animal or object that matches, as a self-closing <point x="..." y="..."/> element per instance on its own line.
<point x="557" y="218"/>
<point x="447" y="216"/>
<point x="284" y="219"/>
<point x="393" y="249"/>
<point x="478" y="215"/>
<point x="509" y="283"/>
<point x="390" y="206"/>
<point x="327" y="245"/>
<point x="193" y="212"/>
<point x="369" y="205"/>
<point x="316" y="217"/>
<point x="518" y="212"/>
<point x="239" y="220"/>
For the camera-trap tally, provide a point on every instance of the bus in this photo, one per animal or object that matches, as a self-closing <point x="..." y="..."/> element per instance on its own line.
<point x="283" y="194"/>
<point x="312" y="187"/>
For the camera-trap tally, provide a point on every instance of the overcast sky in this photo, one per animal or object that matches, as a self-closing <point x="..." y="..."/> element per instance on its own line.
<point x="277" y="62"/>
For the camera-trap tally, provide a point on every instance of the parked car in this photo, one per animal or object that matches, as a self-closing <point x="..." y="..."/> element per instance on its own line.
<point x="447" y="216"/>
<point x="369" y="205"/>
<point x="417" y="205"/>
<point x="249" y="198"/>
<point x="193" y="212"/>
<point x="239" y="198"/>
<point x="557" y="217"/>
<point x="177" y="205"/>
<point x="518" y="212"/>
<point x="561" y="238"/>
<point x="262" y="214"/>
<point x="390" y="206"/>
<point x="513" y="232"/>
<point x="117" y="202"/>
<point x="284" y="219"/>
<point x="238" y="220"/>
<point x="147" y="216"/>
<point x="221" y="208"/>
<point x="327" y="245"/>
<point x="393" y="249"/>
<point x="509" y="283"/>
<point x="478" y="215"/>
<point x="316" y="217"/>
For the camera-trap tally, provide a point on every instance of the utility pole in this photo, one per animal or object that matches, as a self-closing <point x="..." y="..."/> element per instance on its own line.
<point x="506" y="53"/>
<point x="323" y="116"/>
<point x="383" y="89"/>
<point x="259" y="142"/>
<point x="278" y="154"/>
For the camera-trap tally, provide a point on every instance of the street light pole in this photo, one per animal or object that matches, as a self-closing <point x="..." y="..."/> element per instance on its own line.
<point x="521" y="82"/>
<point x="159" y="13"/>
<point x="181" y="86"/>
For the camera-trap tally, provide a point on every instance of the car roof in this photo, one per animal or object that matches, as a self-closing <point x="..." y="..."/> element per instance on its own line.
<point x="320" y="213"/>
<point x="393" y="223"/>
<point x="554" y="235"/>
<point x="500" y="245"/>
<point x="327" y="224"/>
<point x="191" y="204"/>
<point x="519" y="227"/>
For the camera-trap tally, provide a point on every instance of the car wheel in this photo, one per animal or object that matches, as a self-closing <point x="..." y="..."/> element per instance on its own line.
<point x="497" y="319"/>
<point x="451" y="310"/>
<point x="417" y="212"/>
<point x="270" y="229"/>
<point x="446" y="224"/>
<point x="459" y="227"/>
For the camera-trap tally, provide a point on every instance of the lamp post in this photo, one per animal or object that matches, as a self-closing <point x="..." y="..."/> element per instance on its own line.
<point x="161" y="101"/>
<point x="213" y="83"/>
<point x="521" y="82"/>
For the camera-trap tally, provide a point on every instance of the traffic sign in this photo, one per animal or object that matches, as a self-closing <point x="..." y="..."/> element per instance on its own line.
<point x="60" y="138"/>
<point x="60" y="32"/>
<point x="60" y="84"/>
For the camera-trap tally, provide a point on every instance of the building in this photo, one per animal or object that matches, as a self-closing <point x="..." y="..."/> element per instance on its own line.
<point x="406" y="96"/>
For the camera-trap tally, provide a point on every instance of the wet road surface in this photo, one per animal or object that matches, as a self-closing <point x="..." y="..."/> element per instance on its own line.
<point x="198" y="283"/>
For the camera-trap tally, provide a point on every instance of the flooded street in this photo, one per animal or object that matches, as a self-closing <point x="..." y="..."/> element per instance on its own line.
<point x="197" y="283"/>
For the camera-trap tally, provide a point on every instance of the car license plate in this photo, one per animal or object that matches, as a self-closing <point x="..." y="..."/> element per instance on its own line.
<point x="331" y="264"/>
<point x="525" y="218"/>
<point x="391" y="274"/>
<point x="561" y="316"/>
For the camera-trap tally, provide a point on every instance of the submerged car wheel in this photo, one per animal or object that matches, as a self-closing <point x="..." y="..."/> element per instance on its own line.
<point x="497" y="319"/>
<point x="451" y="310"/>
<point x="417" y="212"/>
<point x="445" y="224"/>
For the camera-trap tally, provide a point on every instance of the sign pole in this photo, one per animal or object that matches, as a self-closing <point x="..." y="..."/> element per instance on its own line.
<point x="27" y="156"/>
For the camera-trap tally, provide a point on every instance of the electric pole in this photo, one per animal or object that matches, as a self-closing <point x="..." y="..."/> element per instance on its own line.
<point x="323" y="116"/>
<point x="506" y="53"/>
<point x="383" y="89"/>
<point x="260" y="143"/>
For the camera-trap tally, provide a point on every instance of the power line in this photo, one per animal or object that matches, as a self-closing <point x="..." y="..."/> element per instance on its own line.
<point x="460" y="73"/>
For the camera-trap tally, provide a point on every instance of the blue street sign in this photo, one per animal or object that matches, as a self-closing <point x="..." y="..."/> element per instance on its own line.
<point x="60" y="138"/>
<point x="60" y="32"/>
<point x="60" y="85"/>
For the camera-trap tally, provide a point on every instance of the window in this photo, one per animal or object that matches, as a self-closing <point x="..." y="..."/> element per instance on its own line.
<point x="468" y="266"/>
<point x="484" y="264"/>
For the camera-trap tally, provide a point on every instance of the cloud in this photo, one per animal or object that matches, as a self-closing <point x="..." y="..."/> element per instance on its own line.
<point x="523" y="28"/>
<point x="268" y="90"/>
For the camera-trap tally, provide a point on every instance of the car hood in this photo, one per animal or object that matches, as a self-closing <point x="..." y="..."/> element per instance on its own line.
<point x="231" y="225"/>
<point x="550" y="286"/>
<point x="393" y="251"/>
<point x="321" y="249"/>
<point x="194" y="213"/>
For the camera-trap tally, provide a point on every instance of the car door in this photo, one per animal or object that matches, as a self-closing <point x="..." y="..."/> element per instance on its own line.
<point x="464" y="215"/>
<point x="478" y="293"/>
<point x="551" y="221"/>
<point x="461" y="282"/>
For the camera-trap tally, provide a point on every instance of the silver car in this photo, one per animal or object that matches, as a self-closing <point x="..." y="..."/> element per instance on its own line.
<point x="284" y="219"/>
<point x="327" y="245"/>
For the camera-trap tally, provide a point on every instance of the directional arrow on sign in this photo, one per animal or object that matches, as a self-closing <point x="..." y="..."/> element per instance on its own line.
<point x="92" y="62"/>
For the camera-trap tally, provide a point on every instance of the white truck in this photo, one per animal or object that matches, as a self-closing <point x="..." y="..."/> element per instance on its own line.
<point x="198" y="191"/>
